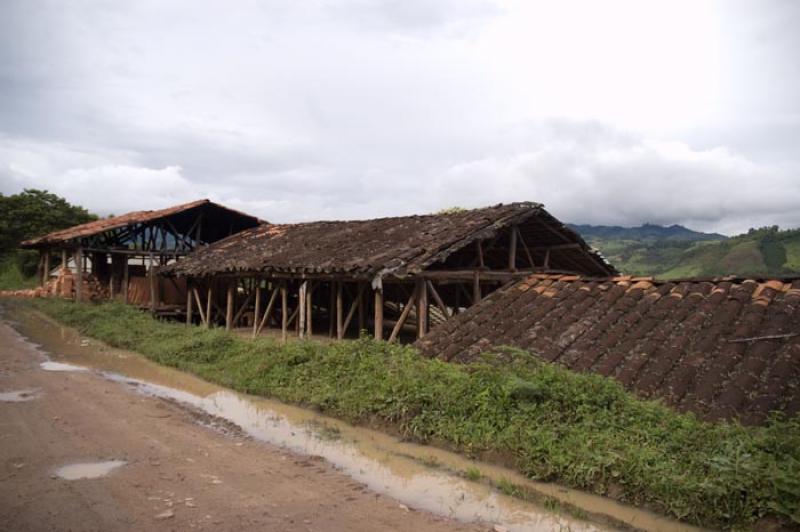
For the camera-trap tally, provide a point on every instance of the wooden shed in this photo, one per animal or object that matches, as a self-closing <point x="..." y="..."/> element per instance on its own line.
<point x="396" y="276"/>
<point x="119" y="256"/>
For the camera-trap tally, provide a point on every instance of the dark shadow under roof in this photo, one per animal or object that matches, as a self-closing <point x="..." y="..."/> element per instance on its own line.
<point x="396" y="246"/>
<point x="722" y="348"/>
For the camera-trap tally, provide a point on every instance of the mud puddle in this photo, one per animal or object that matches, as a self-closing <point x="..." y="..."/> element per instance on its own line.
<point x="87" y="470"/>
<point x="419" y="477"/>
<point x="19" y="396"/>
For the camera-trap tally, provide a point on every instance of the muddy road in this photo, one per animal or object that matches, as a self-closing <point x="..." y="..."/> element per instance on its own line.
<point x="171" y="471"/>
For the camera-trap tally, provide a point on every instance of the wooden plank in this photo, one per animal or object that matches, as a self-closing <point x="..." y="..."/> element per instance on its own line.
<point x="301" y="302"/>
<point x="361" y="314"/>
<point x="480" y="253"/>
<point x="422" y="308"/>
<point x="209" y="299"/>
<point x="438" y="299"/>
<point x="267" y="312"/>
<point x="402" y="319"/>
<point x="379" y="314"/>
<point x="331" y="310"/>
<point x="152" y="277"/>
<point x="476" y="288"/>
<point x="229" y="306"/>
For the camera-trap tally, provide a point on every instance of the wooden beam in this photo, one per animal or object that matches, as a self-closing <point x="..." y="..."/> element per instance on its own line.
<point x="229" y="306"/>
<point x="267" y="312"/>
<point x="479" y="244"/>
<point x="402" y="319"/>
<point x="301" y="302"/>
<point x="476" y="288"/>
<point x="209" y="298"/>
<point x="203" y="319"/>
<point x="352" y="310"/>
<point x="189" y="302"/>
<point x="525" y="247"/>
<point x="512" y="249"/>
<point x="125" y="280"/>
<point x="284" y="311"/>
<point x="339" y="312"/>
<point x="422" y="308"/>
<point x="438" y="299"/>
<point x="152" y="276"/>
<point x="361" y="314"/>
<point x="111" y="278"/>
<point x="331" y="310"/>
<point x="309" y="309"/>
<point x="241" y="310"/>
<point x="379" y="313"/>
<point x="79" y="275"/>
<point x="257" y="309"/>
<point x="46" y="268"/>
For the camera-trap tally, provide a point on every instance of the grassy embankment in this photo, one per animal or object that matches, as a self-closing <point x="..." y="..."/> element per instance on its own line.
<point x="11" y="276"/>
<point x="581" y="430"/>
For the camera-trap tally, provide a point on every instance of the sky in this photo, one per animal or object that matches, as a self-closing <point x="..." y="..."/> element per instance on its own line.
<point x="607" y="112"/>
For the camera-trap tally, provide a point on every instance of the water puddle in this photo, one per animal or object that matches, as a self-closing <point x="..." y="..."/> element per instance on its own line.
<point x="19" y="396"/>
<point x="419" y="477"/>
<point x="88" y="469"/>
<point x="60" y="366"/>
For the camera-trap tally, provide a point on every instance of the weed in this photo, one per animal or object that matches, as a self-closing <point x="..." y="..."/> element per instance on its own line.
<point x="582" y="430"/>
<point x="473" y="473"/>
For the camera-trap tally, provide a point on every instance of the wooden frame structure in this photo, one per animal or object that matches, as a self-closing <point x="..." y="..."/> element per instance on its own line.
<point x="394" y="277"/>
<point x="109" y="254"/>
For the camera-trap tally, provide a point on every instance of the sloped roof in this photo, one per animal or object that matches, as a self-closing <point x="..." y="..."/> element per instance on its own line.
<point x="131" y="218"/>
<point x="719" y="347"/>
<point x="400" y="245"/>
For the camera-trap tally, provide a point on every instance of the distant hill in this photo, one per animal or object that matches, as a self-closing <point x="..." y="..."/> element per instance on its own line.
<point x="675" y="251"/>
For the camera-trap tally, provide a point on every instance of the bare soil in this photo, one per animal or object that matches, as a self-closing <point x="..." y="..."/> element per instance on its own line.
<point x="180" y="473"/>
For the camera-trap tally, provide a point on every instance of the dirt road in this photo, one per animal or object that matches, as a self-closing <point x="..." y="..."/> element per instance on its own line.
<point x="177" y="475"/>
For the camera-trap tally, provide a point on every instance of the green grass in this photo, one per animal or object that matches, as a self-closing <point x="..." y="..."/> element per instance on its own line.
<point x="581" y="430"/>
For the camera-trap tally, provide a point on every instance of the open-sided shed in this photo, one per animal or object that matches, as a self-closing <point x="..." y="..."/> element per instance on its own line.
<point x="339" y="275"/>
<point x="114" y="256"/>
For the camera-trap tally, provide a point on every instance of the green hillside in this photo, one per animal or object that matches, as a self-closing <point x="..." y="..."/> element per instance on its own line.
<point x="675" y="251"/>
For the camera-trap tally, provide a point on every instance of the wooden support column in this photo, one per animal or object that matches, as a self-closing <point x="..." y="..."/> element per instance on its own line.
<point x="379" y="313"/>
<point x="476" y="288"/>
<point x="46" y="267"/>
<point x="125" y="278"/>
<point x="403" y="316"/>
<point x="79" y="274"/>
<point x="422" y="308"/>
<point x="360" y="308"/>
<point x="267" y="312"/>
<point x="332" y="310"/>
<point x="309" y="308"/>
<point x="512" y="250"/>
<point x="438" y="299"/>
<point x="284" y="312"/>
<point x="339" y="311"/>
<point x="229" y="305"/>
<point x="189" y="301"/>
<point x="208" y="304"/>
<point x="257" y="308"/>
<point x="301" y="301"/>
<point x="152" y="282"/>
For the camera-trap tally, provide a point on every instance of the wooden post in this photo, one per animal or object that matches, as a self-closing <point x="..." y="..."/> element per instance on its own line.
<point x="339" y="311"/>
<point x="257" y="308"/>
<point x="301" y="302"/>
<point x="111" y="277"/>
<point x="284" y="312"/>
<point x="422" y="308"/>
<point x="309" y="307"/>
<point x="267" y="312"/>
<point x="379" y="313"/>
<point x="402" y="319"/>
<point x="229" y="305"/>
<point x="189" y="301"/>
<point x="479" y="244"/>
<point x="547" y="258"/>
<point x="208" y="305"/>
<point x="46" y="268"/>
<point x="125" y="277"/>
<point x="476" y="288"/>
<point x="79" y="274"/>
<point x="512" y="250"/>
<point x="152" y="282"/>
<point x="360" y="308"/>
<point x="438" y="299"/>
<point x="331" y="310"/>
<point x="64" y="260"/>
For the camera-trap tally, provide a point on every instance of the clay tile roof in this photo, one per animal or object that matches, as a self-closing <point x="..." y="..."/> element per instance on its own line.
<point x="131" y="218"/>
<point x="722" y="348"/>
<point x="398" y="245"/>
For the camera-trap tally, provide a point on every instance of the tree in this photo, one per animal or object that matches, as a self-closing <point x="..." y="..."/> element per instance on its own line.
<point x="33" y="213"/>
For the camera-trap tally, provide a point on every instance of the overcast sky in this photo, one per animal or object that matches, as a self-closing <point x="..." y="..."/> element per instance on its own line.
<point x="608" y="112"/>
